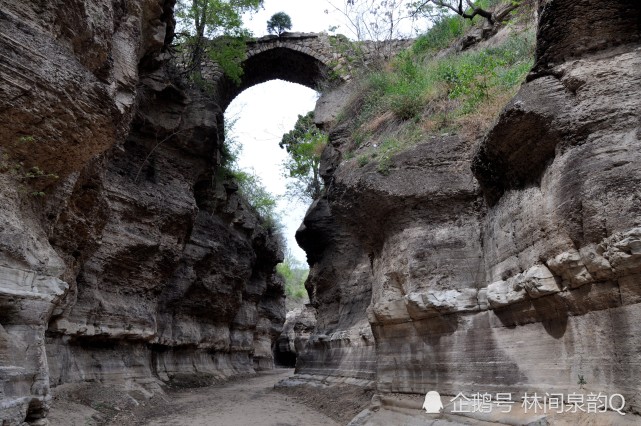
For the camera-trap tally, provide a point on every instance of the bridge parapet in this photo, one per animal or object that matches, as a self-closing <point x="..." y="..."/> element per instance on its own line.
<point x="304" y="58"/>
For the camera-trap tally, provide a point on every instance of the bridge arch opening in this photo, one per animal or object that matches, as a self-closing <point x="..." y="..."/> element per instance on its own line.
<point x="280" y="80"/>
<point x="277" y="61"/>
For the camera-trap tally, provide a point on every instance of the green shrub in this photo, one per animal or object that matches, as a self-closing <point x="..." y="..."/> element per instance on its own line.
<point x="294" y="273"/>
<point x="471" y="76"/>
<point x="441" y="35"/>
<point x="410" y="84"/>
<point x="418" y="91"/>
<point x="362" y="161"/>
<point x="32" y="179"/>
<point x="448" y="28"/>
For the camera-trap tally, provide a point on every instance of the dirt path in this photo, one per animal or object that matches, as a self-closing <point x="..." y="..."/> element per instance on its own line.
<point x="250" y="401"/>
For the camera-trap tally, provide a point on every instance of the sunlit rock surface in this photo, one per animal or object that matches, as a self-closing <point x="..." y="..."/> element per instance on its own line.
<point x="507" y="264"/>
<point x="137" y="265"/>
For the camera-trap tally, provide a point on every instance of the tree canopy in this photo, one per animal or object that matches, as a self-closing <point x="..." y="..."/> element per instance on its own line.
<point x="304" y="144"/>
<point x="279" y="23"/>
<point x="214" y="29"/>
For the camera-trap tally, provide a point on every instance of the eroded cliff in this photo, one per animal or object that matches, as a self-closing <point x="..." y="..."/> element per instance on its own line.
<point x="124" y="258"/>
<point x="504" y="263"/>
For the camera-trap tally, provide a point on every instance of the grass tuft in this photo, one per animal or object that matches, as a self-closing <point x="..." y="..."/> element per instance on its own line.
<point x="418" y="92"/>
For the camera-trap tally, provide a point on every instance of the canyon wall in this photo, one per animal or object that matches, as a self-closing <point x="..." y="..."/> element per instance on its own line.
<point x="506" y="263"/>
<point x="509" y="262"/>
<point x="125" y="258"/>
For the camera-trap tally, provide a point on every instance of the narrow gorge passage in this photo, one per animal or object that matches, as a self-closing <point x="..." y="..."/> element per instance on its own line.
<point x="474" y="252"/>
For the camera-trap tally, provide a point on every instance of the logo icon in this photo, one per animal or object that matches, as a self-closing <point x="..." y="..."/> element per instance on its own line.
<point x="432" y="403"/>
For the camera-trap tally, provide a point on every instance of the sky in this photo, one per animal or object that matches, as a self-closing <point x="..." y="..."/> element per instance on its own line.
<point x="266" y="111"/>
<point x="307" y="16"/>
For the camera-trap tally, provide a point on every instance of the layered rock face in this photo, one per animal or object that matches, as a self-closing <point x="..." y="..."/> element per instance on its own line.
<point x="338" y="286"/>
<point x="181" y="272"/>
<point x="137" y="264"/>
<point x="508" y="264"/>
<point x="299" y="325"/>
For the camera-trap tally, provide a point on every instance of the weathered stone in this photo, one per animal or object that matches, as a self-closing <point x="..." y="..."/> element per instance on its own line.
<point x="623" y="251"/>
<point x="424" y="305"/>
<point x="570" y="266"/>
<point x="503" y="293"/>
<point x="597" y="265"/>
<point x="303" y="58"/>
<point x="141" y="266"/>
<point x="552" y="252"/>
<point x="72" y="70"/>
<point x="297" y="329"/>
<point x="138" y="266"/>
<point x="538" y="281"/>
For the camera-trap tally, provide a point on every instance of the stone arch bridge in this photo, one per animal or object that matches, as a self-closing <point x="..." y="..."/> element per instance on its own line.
<point x="304" y="58"/>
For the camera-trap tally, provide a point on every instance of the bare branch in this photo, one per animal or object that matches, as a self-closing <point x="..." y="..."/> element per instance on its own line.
<point x="468" y="10"/>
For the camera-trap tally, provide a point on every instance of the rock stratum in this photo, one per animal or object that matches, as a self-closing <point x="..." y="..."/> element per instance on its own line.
<point x="511" y="263"/>
<point x="140" y="265"/>
<point x="505" y="263"/>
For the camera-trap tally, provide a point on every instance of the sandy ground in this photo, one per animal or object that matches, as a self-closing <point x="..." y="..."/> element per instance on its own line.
<point x="249" y="401"/>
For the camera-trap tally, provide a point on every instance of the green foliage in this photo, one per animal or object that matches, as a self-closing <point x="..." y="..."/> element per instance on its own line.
<point x="411" y="84"/>
<point x="35" y="173"/>
<point x="295" y="274"/>
<point x="352" y="52"/>
<point x="419" y="92"/>
<point x="251" y="187"/>
<point x="231" y="148"/>
<point x="388" y="148"/>
<point x="466" y="15"/>
<point x="402" y="90"/>
<point x="304" y="144"/>
<point x="471" y="76"/>
<point x="229" y="53"/>
<point x="279" y="23"/>
<point x="213" y="29"/>
<point x="26" y="139"/>
<point x="581" y="381"/>
<point x="446" y="29"/>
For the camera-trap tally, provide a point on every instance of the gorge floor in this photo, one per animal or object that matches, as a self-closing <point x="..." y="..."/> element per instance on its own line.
<point x="244" y="401"/>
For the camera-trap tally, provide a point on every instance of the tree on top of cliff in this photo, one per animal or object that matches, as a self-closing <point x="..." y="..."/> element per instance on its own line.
<point x="467" y="9"/>
<point x="304" y="144"/>
<point x="279" y="23"/>
<point x="214" y="29"/>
